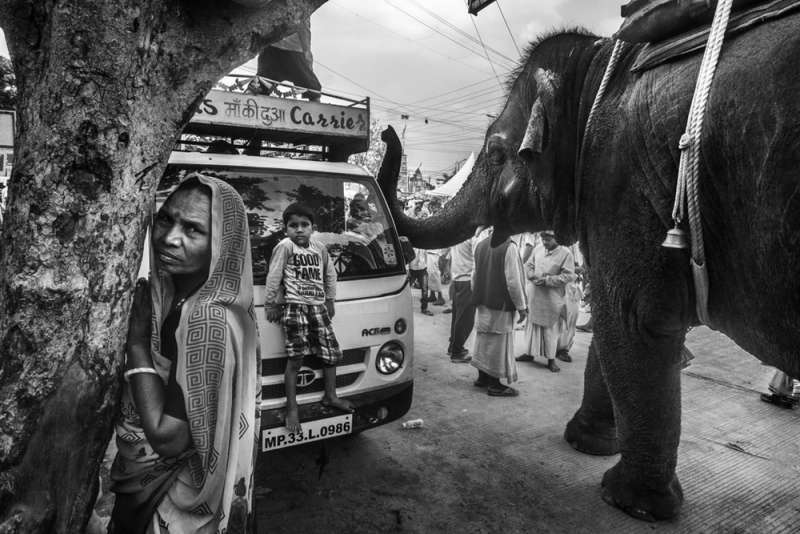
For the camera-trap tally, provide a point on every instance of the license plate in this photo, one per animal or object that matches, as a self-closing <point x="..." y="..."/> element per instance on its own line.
<point x="280" y="437"/>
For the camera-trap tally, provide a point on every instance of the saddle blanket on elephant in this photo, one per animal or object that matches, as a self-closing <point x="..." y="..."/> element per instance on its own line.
<point x="650" y="21"/>
<point x="654" y="54"/>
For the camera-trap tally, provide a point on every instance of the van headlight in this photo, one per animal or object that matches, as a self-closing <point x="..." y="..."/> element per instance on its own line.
<point x="390" y="358"/>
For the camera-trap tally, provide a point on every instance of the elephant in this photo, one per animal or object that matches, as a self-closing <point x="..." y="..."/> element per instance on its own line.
<point x="613" y="192"/>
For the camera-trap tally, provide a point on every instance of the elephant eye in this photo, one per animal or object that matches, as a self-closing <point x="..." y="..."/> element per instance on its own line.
<point x="495" y="152"/>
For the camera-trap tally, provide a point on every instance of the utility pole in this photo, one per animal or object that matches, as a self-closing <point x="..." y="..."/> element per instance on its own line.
<point x="404" y="159"/>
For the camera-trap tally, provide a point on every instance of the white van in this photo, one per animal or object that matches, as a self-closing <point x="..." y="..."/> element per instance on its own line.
<point x="374" y="320"/>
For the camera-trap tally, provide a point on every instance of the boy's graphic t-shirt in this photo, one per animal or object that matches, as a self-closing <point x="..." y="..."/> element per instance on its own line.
<point x="306" y="279"/>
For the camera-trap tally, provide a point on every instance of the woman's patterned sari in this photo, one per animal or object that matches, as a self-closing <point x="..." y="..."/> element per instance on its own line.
<point x="209" y="487"/>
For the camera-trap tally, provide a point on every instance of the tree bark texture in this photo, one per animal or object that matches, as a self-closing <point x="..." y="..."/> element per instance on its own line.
<point x="105" y="87"/>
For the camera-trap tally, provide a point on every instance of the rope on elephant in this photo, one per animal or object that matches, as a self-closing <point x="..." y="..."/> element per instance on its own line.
<point x="686" y="191"/>
<point x="612" y="63"/>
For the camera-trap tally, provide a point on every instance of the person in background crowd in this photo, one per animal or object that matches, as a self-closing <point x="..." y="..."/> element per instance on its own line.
<point x="360" y="220"/>
<point x="418" y="273"/>
<point x="587" y="300"/>
<point x="463" y="318"/>
<point x="497" y="292"/>
<point x="417" y="210"/>
<point x="572" y="298"/>
<point x="434" y="277"/>
<point x="189" y="408"/>
<point x="550" y="269"/>
<point x="528" y="242"/>
<point x="572" y="301"/>
<point x="784" y="390"/>
<point x="436" y="297"/>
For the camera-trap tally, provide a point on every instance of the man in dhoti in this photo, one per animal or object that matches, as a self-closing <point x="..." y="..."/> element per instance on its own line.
<point x="572" y="304"/>
<point x="549" y="269"/>
<point x="498" y="293"/>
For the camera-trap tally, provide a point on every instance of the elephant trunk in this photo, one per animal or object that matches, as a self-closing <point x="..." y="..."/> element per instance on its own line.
<point x="455" y="223"/>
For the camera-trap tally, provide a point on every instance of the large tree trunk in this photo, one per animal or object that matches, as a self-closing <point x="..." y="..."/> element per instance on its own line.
<point x="105" y="87"/>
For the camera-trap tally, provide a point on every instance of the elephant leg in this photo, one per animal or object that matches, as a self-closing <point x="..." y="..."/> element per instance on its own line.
<point x="592" y="430"/>
<point x="642" y="370"/>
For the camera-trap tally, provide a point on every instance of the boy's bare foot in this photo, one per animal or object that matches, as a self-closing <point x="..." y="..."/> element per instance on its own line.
<point x="293" y="420"/>
<point x="340" y="404"/>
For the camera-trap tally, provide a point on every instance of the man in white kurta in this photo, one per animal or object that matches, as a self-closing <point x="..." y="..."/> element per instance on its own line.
<point x="549" y="269"/>
<point x="498" y="292"/>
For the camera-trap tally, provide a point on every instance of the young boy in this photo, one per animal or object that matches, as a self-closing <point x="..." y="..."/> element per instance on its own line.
<point x="306" y="272"/>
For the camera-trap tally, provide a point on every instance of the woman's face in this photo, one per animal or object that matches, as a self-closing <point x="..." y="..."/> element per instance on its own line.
<point x="182" y="233"/>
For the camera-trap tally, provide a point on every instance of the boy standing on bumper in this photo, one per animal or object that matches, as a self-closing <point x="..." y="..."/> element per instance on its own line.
<point x="306" y="272"/>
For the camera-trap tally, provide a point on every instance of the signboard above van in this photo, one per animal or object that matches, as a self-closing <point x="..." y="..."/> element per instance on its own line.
<point x="224" y="113"/>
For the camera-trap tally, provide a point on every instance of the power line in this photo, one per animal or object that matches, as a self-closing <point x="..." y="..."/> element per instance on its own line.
<point x="462" y="45"/>
<point x="486" y="52"/>
<point x="369" y="91"/>
<point x="460" y="31"/>
<point x="450" y="139"/>
<point x="462" y="88"/>
<point x="398" y="110"/>
<point x="497" y="3"/>
<point x="417" y="43"/>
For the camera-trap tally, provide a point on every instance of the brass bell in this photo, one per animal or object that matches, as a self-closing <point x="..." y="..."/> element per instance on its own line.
<point x="676" y="238"/>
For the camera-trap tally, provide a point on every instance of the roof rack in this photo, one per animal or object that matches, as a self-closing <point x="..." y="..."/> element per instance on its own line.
<point x="239" y="109"/>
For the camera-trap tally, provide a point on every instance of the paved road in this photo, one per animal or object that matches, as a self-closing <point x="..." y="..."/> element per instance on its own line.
<point x="495" y="465"/>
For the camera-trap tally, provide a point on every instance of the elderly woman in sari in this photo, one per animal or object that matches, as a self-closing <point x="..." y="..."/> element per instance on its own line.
<point x="186" y="429"/>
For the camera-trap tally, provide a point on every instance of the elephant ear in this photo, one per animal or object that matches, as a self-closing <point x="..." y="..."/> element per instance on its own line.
<point x="536" y="133"/>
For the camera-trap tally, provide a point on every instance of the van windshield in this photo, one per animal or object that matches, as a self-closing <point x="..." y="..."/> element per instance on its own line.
<point x="350" y="216"/>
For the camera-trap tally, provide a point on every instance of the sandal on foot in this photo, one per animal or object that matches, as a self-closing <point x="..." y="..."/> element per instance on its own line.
<point x="502" y="391"/>
<point x="524" y="358"/>
<point x="551" y="364"/>
<point x="778" y="400"/>
<point x="480" y="383"/>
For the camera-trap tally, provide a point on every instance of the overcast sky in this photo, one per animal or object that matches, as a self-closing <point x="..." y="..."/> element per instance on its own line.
<point x="424" y="59"/>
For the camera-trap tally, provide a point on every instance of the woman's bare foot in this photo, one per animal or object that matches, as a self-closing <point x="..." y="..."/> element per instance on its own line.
<point x="340" y="404"/>
<point x="293" y="420"/>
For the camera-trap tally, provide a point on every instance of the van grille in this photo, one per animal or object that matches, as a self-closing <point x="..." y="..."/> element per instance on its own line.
<point x="277" y="366"/>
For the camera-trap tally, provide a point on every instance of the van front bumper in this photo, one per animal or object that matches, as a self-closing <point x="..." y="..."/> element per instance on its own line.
<point x="373" y="408"/>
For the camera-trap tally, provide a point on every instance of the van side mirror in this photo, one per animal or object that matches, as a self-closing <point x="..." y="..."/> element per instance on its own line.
<point x="408" y="249"/>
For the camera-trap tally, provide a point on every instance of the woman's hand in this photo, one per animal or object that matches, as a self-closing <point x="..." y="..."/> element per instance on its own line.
<point x="139" y="324"/>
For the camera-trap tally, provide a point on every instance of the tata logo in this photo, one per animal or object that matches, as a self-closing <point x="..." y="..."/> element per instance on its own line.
<point x="377" y="331"/>
<point x="305" y="377"/>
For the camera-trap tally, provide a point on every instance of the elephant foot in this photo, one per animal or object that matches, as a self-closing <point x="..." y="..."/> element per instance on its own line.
<point x="591" y="435"/>
<point x="641" y="498"/>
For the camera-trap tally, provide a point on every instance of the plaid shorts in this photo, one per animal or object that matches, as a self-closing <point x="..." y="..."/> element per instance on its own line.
<point x="308" y="331"/>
